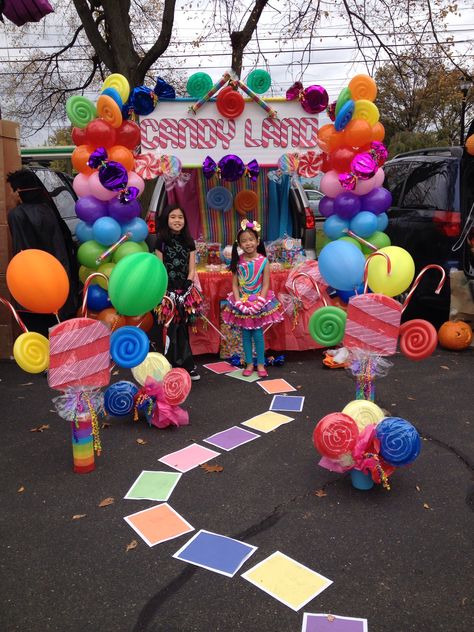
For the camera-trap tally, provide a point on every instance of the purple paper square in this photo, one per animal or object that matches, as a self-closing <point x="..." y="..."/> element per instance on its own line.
<point x="321" y="623"/>
<point x="231" y="438"/>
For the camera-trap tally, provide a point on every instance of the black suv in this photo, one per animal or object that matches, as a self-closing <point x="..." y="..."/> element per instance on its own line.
<point x="431" y="189"/>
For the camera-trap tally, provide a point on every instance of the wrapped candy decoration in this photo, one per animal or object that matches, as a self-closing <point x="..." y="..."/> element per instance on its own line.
<point x="363" y="167"/>
<point x="230" y="167"/>
<point x="313" y="99"/>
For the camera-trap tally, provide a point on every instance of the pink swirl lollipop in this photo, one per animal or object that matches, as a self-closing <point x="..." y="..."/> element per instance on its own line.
<point x="310" y="164"/>
<point x="147" y="166"/>
<point x="176" y="386"/>
<point x="335" y="435"/>
<point x="288" y="163"/>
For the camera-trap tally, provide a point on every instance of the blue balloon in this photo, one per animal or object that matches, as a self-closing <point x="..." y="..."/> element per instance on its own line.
<point x="345" y="295"/>
<point x="106" y="231"/>
<point x="114" y="94"/>
<point x="119" y="398"/>
<point x="84" y="232"/>
<point x="342" y="265"/>
<point x="382" y="222"/>
<point x="97" y="298"/>
<point x="138" y="227"/>
<point x="399" y="441"/>
<point x="334" y="226"/>
<point x="345" y="115"/>
<point x="364" y="224"/>
<point x="129" y="346"/>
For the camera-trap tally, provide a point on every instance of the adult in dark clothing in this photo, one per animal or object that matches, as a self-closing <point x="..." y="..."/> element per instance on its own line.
<point x="36" y="223"/>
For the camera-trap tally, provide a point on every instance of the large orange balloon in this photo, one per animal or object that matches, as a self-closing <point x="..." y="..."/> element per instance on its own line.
<point x="79" y="159"/>
<point x="357" y="133"/>
<point x="470" y="145"/>
<point x="325" y="134"/>
<point x="144" y="321"/>
<point x="124" y="156"/>
<point x="378" y="132"/>
<point x="38" y="281"/>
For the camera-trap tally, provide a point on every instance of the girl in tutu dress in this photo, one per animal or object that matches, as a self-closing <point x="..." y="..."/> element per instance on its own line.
<point x="251" y="304"/>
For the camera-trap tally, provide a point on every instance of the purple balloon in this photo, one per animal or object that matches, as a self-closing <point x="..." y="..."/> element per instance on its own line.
<point x="347" y="205"/>
<point x="124" y="212"/>
<point x="326" y="206"/>
<point x="89" y="208"/>
<point x="379" y="200"/>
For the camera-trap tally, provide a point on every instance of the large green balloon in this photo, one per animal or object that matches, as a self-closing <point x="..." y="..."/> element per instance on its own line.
<point x="89" y="251"/>
<point x="137" y="284"/>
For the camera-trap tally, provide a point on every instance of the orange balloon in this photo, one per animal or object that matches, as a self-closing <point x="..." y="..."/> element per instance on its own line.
<point x="110" y="318"/>
<point x="324" y="133"/>
<point x="378" y="132"/>
<point x="144" y="321"/>
<point x="89" y="314"/>
<point x="357" y="133"/>
<point x="79" y="159"/>
<point x="124" y="156"/>
<point x="38" y="281"/>
<point x="470" y="145"/>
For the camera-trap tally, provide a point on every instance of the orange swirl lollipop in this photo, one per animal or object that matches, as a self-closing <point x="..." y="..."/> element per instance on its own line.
<point x="363" y="87"/>
<point x="109" y="111"/>
<point x="246" y="201"/>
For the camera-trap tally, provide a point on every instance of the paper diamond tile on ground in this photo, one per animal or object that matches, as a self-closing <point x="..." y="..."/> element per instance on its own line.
<point x="189" y="457"/>
<point x="158" y="524"/>
<point x="238" y="375"/>
<point x="231" y="438"/>
<point x="276" y="386"/>
<point x="287" y="403"/>
<point x="152" y="485"/>
<point x="215" y="552"/>
<point x="268" y="421"/>
<point x="332" y="623"/>
<point x="287" y="580"/>
<point x="220" y="367"/>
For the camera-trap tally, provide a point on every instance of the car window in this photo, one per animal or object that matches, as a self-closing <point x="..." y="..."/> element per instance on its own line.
<point x="431" y="185"/>
<point x="395" y="175"/>
<point x="61" y="195"/>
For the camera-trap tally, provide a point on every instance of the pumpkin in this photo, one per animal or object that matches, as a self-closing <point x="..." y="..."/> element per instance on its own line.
<point x="455" y="335"/>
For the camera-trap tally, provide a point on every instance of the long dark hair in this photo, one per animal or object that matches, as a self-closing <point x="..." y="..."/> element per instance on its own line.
<point x="234" y="262"/>
<point x="163" y="230"/>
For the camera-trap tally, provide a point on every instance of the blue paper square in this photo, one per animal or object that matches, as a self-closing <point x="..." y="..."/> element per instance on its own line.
<point x="287" y="403"/>
<point x="215" y="552"/>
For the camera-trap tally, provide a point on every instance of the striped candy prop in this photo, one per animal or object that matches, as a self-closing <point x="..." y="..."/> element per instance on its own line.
<point x="79" y="354"/>
<point x="82" y="444"/>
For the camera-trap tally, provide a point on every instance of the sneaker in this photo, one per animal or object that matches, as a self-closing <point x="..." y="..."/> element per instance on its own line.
<point x="194" y="375"/>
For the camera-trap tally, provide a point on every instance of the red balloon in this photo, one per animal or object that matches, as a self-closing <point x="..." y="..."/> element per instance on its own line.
<point x="128" y="135"/>
<point x="326" y="164"/>
<point x="341" y="159"/>
<point x="100" y="134"/>
<point x="78" y="136"/>
<point x="335" y="435"/>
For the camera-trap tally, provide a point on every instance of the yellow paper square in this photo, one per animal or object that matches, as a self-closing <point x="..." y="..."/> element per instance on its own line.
<point x="287" y="580"/>
<point x="266" y="422"/>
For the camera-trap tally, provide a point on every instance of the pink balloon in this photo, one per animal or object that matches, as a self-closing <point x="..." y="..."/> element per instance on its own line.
<point x="365" y="186"/>
<point x="330" y="184"/>
<point x="134" y="180"/>
<point x="98" y="190"/>
<point x="379" y="177"/>
<point x="81" y="185"/>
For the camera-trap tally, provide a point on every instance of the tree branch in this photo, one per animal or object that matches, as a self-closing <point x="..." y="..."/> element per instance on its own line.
<point x="86" y="15"/>
<point x="240" y="39"/>
<point x="162" y="42"/>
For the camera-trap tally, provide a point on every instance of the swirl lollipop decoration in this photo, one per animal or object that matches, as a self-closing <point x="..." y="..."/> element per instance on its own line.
<point x="335" y="434"/>
<point x="109" y="111"/>
<point x="176" y="386"/>
<point x="259" y="81"/>
<point x="310" y="164"/>
<point x="364" y="413"/>
<point x="327" y="324"/>
<point x="80" y="111"/>
<point x="198" y="85"/>
<point x="129" y="346"/>
<point x="119" y="83"/>
<point x="119" y="398"/>
<point x="154" y="365"/>
<point x="399" y="441"/>
<point x="219" y="198"/>
<point x="246" y="201"/>
<point x="362" y="87"/>
<point x="418" y="339"/>
<point x="31" y="352"/>
<point x="230" y="103"/>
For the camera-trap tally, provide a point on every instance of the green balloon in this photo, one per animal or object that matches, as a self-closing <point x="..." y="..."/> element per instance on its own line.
<point x="137" y="284"/>
<point x="378" y="239"/>
<point x="128" y="248"/>
<point x="88" y="253"/>
<point x="144" y="246"/>
<point x="351" y="240"/>
<point x="344" y="96"/>
<point x="84" y="273"/>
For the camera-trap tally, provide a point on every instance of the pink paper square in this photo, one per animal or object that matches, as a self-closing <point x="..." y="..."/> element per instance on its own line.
<point x="220" y="367"/>
<point x="189" y="457"/>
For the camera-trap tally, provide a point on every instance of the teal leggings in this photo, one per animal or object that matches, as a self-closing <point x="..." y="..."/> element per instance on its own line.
<point x="257" y="336"/>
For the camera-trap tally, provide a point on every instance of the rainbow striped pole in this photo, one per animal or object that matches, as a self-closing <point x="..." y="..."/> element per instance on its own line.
<point x="217" y="86"/>
<point x="82" y="444"/>
<point x="270" y="111"/>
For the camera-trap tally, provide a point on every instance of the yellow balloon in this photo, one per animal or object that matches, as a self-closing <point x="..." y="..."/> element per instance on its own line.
<point x="105" y="268"/>
<point x="367" y="111"/>
<point x="154" y="365"/>
<point x="84" y="273"/>
<point x="400" y="277"/>
<point x="120" y="83"/>
<point x="364" y="412"/>
<point x="31" y="352"/>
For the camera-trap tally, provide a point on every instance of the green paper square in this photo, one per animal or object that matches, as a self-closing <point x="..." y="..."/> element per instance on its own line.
<point x="239" y="376"/>
<point x="153" y="486"/>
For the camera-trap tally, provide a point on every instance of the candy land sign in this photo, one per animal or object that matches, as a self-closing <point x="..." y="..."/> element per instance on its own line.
<point x="172" y="129"/>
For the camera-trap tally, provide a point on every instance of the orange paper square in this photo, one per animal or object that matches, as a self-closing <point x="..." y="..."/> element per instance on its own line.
<point x="276" y="386"/>
<point x="158" y="524"/>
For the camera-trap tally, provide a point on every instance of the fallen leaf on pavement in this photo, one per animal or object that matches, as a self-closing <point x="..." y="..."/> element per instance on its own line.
<point x="320" y="493"/>
<point x="299" y="386"/>
<point x="27" y="384"/>
<point x="212" y="468"/>
<point x="106" y="502"/>
<point x="105" y="425"/>
<point x="412" y="398"/>
<point x="78" y="516"/>
<point x="426" y="506"/>
<point x="40" y="428"/>
<point x="418" y="488"/>
<point x="115" y="373"/>
<point x="141" y="441"/>
<point x="133" y="545"/>
<point x="443" y="366"/>
<point x="20" y="490"/>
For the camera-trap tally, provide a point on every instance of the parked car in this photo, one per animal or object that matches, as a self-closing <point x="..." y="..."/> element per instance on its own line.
<point x="426" y="219"/>
<point x="307" y="221"/>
